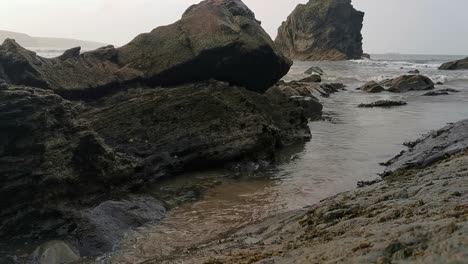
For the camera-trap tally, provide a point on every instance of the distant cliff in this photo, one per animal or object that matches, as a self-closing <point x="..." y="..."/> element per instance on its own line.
<point x="38" y="42"/>
<point x="322" y="30"/>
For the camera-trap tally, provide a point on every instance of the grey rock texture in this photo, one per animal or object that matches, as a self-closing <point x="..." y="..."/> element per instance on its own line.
<point x="216" y="39"/>
<point x="455" y="65"/>
<point x="322" y="30"/>
<point x="47" y="153"/>
<point x="413" y="216"/>
<point x="435" y="146"/>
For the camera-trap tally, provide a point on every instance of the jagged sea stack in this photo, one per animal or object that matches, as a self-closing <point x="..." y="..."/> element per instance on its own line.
<point x="322" y="30"/>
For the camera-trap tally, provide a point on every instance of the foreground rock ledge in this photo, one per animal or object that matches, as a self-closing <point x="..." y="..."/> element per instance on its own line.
<point x="69" y="169"/>
<point x="416" y="215"/>
<point x="216" y="39"/>
<point x="322" y="30"/>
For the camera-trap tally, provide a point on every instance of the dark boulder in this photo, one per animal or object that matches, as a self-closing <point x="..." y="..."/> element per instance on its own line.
<point x="441" y="92"/>
<point x="436" y="93"/>
<point x="322" y="30"/>
<point x="216" y="39"/>
<point x="407" y="83"/>
<point x="219" y="39"/>
<point x="383" y="103"/>
<point x="372" y="87"/>
<point x="455" y="65"/>
<point x="414" y="71"/>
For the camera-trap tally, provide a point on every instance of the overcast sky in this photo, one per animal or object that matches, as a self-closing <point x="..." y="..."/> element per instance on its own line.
<point x="404" y="26"/>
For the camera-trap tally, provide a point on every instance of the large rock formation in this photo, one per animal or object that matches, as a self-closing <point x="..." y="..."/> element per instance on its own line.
<point x="322" y="30"/>
<point x="455" y="65"/>
<point x="218" y="39"/>
<point x="68" y="168"/>
<point x="60" y="159"/>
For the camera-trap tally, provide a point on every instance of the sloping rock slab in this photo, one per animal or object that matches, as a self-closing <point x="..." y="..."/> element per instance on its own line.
<point x="435" y="146"/>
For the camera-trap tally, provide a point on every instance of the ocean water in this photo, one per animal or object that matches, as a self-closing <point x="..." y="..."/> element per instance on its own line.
<point x="345" y="148"/>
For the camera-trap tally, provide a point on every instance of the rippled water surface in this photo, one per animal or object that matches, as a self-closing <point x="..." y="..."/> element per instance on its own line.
<point x="346" y="148"/>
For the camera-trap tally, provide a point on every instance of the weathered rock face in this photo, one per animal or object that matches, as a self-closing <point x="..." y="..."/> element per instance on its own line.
<point x="432" y="148"/>
<point x="47" y="153"/>
<point x="196" y="124"/>
<point x="219" y="39"/>
<point x="455" y="65"/>
<point x="322" y="30"/>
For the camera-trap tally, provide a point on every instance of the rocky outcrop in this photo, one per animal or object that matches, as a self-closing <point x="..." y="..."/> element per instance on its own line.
<point x="400" y="84"/>
<point x="416" y="215"/>
<point x="432" y="148"/>
<point x="47" y="153"/>
<point x="216" y="39"/>
<point x="68" y="168"/>
<point x="408" y="83"/>
<point x="322" y="30"/>
<point x="455" y="65"/>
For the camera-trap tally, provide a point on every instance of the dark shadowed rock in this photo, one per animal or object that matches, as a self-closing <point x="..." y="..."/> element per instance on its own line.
<point x="322" y="30"/>
<point x="372" y="87"/>
<point x="366" y="56"/>
<point x="450" y="90"/>
<point x="455" y="65"/>
<point x="313" y="78"/>
<point x="383" y="103"/>
<point x="436" y="93"/>
<point x="49" y="156"/>
<point x="314" y="70"/>
<point x="219" y="39"/>
<point x="407" y="83"/>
